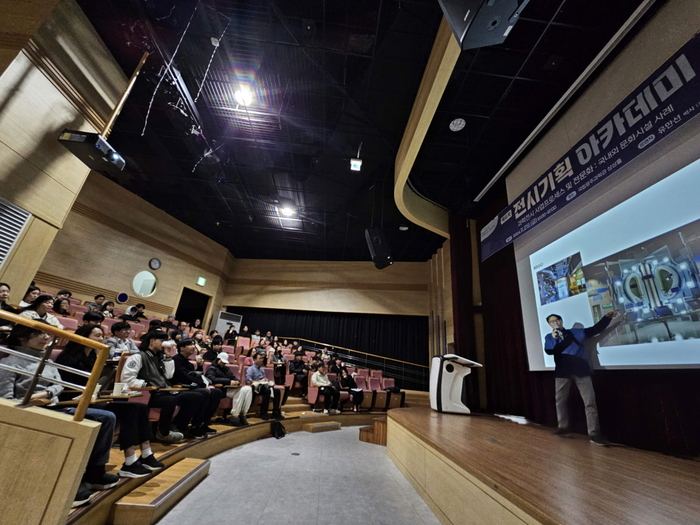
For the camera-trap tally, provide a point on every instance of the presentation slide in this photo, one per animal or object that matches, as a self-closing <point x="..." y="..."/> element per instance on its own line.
<point x="640" y="259"/>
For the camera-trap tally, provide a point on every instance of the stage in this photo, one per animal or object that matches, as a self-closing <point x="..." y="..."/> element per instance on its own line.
<point x="488" y="470"/>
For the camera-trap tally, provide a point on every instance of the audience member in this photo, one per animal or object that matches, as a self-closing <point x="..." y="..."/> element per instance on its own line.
<point x="212" y="352"/>
<point x="230" y="335"/>
<point x="120" y="343"/>
<point x="32" y="293"/>
<point x="168" y="322"/>
<point x="324" y="354"/>
<point x="244" y="332"/>
<point x="14" y="386"/>
<point x="337" y="366"/>
<point x="199" y="343"/>
<point x="300" y="371"/>
<point x="150" y="367"/>
<point x="241" y="398"/>
<point x="197" y="325"/>
<point x="183" y="328"/>
<point x="134" y="426"/>
<point x="186" y="375"/>
<point x="213" y="334"/>
<point x="255" y="336"/>
<point x="326" y="389"/>
<point x="96" y="305"/>
<point x="138" y="314"/>
<point x="4" y="297"/>
<point x="347" y="382"/>
<point x="108" y="310"/>
<point x="277" y="359"/>
<point x="256" y="378"/>
<point x="61" y="307"/>
<point x="93" y="318"/>
<point x="39" y="309"/>
<point x="63" y="294"/>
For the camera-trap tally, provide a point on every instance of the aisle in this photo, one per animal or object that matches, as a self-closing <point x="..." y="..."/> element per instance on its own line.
<point x="335" y="479"/>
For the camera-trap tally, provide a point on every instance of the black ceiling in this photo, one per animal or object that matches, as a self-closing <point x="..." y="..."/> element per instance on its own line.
<point x="327" y="76"/>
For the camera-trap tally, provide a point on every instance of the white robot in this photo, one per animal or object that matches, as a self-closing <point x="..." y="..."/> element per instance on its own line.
<point x="447" y="376"/>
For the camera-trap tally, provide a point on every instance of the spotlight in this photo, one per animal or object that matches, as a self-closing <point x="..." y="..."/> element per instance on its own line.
<point x="287" y="211"/>
<point x="355" y="164"/>
<point x="244" y="96"/>
<point x="403" y="228"/>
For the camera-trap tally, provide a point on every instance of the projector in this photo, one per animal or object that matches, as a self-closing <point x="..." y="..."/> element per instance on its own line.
<point x="94" y="151"/>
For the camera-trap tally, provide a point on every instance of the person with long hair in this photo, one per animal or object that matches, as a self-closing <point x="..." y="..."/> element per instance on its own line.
<point x="347" y="383"/>
<point x="134" y="427"/>
<point x="61" y="307"/>
<point x="14" y="386"/>
<point x="231" y="335"/>
<point x="199" y="343"/>
<point x="40" y="309"/>
<point x="197" y="325"/>
<point x="107" y="310"/>
<point x="32" y="293"/>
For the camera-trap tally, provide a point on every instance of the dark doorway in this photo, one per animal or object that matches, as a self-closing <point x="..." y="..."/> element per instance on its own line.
<point x="193" y="305"/>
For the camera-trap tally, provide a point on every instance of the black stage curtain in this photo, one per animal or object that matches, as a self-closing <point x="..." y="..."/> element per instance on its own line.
<point x="648" y="409"/>
<point x="403" y="337"/>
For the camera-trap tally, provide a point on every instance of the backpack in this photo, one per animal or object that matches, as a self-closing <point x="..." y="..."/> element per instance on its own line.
<point x="277" y="430"/>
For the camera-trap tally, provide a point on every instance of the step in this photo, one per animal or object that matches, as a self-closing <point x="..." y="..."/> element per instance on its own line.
<point x="321" y="426"/>
<point x="376" y="433"/>
<point x="295" y="408"/>
<point x="150" y="501"/>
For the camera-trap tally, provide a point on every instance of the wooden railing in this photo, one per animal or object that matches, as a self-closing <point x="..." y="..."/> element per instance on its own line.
<point x="93" y="377"/>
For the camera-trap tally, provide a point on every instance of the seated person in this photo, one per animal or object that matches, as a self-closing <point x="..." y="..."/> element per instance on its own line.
<point x="256" y="378"/>
<point x="337" y="366"/>
<point x="347" y="383"/>
<point x="32" y="293"/>
<point x="277" y="359"/>
<point x="14" y="386"/>
<point x="326" y="389"/>
<point x="93" y="318"/>
<point x="230" y="335"/>
<point x="183" y="328"/>
<point x="212" y="335"/>
<point x="39" y="310"/>
<point x="138" y="313"/>
<point x="244" y="332"/>
<point x="4" y="297"/>
<point x="155" y="326"/>
<point x="169" y="322"/>
<point x="186" y="375"/>
<point x="301" y="372"/>
<point x="134" y="426"/>
<point x="212" y="353"/>
<point x="151" y="368"/>
<point x="255" y="336"/>
<point x="63" y="294"/>
<point x="314" y="363"/>
<point x="220" y="374"/>
<point x="108" y="310"/>
<point x="199" y="343"/>
<point x="120" y="342"/>
<point x="61" y="307"/>
<point x="96" y="304"/>
<point x="324" y="354"/>
<point x="268" y="336"/>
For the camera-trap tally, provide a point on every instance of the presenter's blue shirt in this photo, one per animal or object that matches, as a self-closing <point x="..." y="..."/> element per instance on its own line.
<point x="570" y="357"/>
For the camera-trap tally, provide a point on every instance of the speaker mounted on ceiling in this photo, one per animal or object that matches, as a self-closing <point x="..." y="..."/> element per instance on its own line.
<point x="481" y="23"/>
<point x="378" y="248"/>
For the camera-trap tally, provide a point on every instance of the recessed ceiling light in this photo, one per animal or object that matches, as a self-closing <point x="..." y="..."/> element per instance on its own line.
<point x="287" y="211"/>
<point x="403" y="228"/>
<point x="458" y="124"/>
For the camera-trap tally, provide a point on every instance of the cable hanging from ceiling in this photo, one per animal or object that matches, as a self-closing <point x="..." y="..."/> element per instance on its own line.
<point x="216" y="43"/>
<point x="167" y="68"/>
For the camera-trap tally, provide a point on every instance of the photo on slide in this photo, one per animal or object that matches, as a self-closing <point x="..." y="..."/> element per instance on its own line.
<point x="653" y="285"/>
<point x="561" y="280"/>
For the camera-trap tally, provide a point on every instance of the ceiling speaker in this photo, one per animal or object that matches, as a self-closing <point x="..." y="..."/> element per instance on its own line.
<point x="378" y="248"/>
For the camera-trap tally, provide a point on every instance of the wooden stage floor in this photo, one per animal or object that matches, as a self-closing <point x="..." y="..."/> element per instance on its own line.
<point x="540" y="477"/>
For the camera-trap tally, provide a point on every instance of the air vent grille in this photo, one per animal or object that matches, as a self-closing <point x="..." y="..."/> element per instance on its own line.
<point x="13" y="219"/>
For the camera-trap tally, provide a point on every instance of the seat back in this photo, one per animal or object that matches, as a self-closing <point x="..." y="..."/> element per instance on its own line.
<point x="109" y="323"/>
<point x="79" y="316"/>
<point x="236" y="370"/>
<point x="244" y="342"/>
<point x="269" y="373"/>
<point x="364" y="372"/>
<point x="120" y="367"/>
<point x="288" y="357"/>
<point x="228" y="349"/>
<point x="332" y="377"/>
<point x="206" y="365"/>
<point x="117" y="312"/>
<point x="376" y="373"/>
<point x="389" y="382"/>
<point x="69" y="324"/>
<point x="77" y="308"/>
<point x="54" y="354"/>
<point x="137" y="327"/>
<point x="351" y="370"/>
<point x="374" y="384"/>
<point x="361" y="384"/>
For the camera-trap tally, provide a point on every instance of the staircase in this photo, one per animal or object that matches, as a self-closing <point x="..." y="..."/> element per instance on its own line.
<point x="150" y="501"/>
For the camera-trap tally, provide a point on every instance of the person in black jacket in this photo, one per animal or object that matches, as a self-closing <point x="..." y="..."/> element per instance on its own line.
<point x="347" y="383"/>
<point x="134" y="427"/>
<point x="337" y="366"/>
<point x="219" y="373"/>
<point x="186" y="375"/>
<point x="300" y="371"/>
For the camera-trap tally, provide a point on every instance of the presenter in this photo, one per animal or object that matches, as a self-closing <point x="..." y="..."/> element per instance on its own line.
<point x="572" y="365"/>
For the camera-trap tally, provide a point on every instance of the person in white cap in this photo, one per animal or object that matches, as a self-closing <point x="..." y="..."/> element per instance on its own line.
<point x="220" y="374"/>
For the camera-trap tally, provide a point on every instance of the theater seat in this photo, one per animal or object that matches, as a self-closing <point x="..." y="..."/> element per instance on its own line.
<point x="78" y="316"/>
<point x="77" y="308"/>
<point x="368" y="401"/>
<point x="380" y="395"/>
<point x="244" y="342"/>
<point x="376" y="373"/>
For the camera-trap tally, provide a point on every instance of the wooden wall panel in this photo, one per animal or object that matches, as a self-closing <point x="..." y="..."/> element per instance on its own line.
<point x="330" y="286"/>
<point x="442" y="318"/>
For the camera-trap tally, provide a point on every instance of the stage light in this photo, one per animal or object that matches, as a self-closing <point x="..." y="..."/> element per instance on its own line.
<point x="403" y="228"/>
<point x="355" y="164"/>
<point x="244" y="95"/>
<point x="287" y="211"/>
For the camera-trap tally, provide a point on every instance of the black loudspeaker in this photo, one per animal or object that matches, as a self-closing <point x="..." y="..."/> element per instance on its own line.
<point x="481" y="23"/>
<point x="378" y="248"/>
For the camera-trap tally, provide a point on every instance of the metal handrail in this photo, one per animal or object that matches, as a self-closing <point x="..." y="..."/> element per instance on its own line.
<point x="93" y="377"/>
<point x="352" y="350"/>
